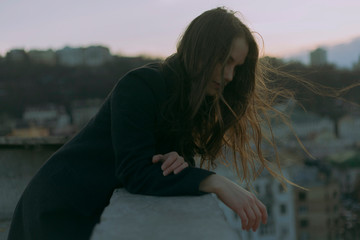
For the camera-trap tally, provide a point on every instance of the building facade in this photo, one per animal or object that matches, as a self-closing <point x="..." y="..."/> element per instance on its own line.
<point x="47" y="57"/>
<point x="318" y="57"/>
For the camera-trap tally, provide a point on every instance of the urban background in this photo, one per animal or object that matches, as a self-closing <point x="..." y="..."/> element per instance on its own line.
<point x="54" y="93"/>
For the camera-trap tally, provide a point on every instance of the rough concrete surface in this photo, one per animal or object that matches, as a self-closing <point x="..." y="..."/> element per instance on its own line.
<point x="133" y="217"/>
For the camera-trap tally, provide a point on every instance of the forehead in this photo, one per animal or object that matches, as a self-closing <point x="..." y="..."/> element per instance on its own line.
<point x="239" y="50"/>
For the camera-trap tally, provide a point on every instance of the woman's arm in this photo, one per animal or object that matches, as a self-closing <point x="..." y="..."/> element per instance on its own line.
<point x="250" y="210"/>
<point x="134" y="105"/>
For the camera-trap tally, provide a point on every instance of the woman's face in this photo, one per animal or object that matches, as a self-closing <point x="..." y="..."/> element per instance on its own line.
<point x="238" y="52"/>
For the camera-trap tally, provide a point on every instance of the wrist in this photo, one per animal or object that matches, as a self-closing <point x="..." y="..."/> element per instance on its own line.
<point x="211" y="184"/>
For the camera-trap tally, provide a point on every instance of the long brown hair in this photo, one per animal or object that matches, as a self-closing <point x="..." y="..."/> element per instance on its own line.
<point x="205" y="124"/>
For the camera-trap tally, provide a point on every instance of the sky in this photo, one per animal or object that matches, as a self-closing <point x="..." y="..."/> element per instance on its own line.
<point x="152" y="27"/>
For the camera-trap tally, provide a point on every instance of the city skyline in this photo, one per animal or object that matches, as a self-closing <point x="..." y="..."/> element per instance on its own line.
<point x="145" y="27"/>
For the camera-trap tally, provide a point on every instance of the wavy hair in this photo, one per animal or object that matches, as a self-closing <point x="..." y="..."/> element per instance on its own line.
<point x="233" y="118"/>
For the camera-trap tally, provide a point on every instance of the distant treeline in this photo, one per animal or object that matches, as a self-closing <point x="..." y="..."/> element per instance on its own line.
<point x="24" y="84"/>
<point x="28" y="84"/>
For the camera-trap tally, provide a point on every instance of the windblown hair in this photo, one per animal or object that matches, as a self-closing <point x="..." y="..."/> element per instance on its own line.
<point x="233" y="118"/>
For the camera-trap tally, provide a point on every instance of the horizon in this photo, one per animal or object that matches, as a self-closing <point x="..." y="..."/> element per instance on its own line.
<point x="154" y="56"/>
<point x="286" y="28"/>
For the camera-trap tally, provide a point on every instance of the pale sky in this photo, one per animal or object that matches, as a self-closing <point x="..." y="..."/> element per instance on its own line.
<point x="152" y="27"/>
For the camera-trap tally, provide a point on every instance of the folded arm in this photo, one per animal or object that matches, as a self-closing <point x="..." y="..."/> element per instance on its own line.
<point x="134" y="107"/>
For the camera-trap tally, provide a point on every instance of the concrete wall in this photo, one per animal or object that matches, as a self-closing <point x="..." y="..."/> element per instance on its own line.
<point x="133" y="217"/>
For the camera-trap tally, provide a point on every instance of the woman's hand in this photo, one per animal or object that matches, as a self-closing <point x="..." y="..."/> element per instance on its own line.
<point x="250" y="210"/>
<point x="172" y="162"/>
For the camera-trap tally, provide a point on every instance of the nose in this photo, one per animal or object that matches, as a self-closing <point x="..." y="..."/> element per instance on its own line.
<point x="228" y="74"/>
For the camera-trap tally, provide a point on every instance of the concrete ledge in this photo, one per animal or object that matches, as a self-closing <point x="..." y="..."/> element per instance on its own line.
<point x="134" y="217"/>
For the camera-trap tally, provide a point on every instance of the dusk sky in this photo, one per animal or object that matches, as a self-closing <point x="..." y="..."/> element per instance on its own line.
<point x="152" y="27"/>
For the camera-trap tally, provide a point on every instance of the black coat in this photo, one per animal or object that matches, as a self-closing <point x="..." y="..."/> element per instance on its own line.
<point x="68" y="194"/>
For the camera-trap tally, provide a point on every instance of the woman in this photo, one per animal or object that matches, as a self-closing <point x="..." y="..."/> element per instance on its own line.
<point x="152" y="124"/>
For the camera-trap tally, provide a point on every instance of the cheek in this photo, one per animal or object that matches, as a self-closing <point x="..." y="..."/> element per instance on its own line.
<point x="217" y="73"/>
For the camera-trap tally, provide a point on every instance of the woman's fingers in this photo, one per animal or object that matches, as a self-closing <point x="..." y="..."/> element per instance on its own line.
<point x="172" y="162"/>
<point x="181" y="167"/>
<point x="157" y="158"/>
<point x="258" y="218"/>
<point x="244" y="203"/>
<point x="169" y="161"/>
<point x="251" y="218"/>
<point x="262" y="208"/>
<point x="255" y="212"/>
<point x="244" y="219"/>
<point x="169" y="169"/>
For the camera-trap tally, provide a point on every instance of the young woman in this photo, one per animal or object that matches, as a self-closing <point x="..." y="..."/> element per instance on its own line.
<point x="145" y="136"/>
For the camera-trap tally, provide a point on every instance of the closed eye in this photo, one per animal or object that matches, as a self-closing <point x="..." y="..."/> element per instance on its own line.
<point x="231" y="60"/>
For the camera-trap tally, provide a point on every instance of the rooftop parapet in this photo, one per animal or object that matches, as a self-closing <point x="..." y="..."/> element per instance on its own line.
<point x="130" y="216"/>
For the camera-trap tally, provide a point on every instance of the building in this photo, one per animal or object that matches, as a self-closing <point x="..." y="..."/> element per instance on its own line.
<point x="70" y="56"/>
<point x="90" y="56"/>
<point x="51" y="117"/>
<point x="41" y="115"/>
<point x="16" y="55"/>
<point x="43" y="57"/>
<point x="24" y="129"/>
<point x="281" y="224"/>
<point x="316" y="210"/>
<point x="318" y="57"/>
<point x="96" y="55"/>
<point x="356" y="65"/>
<point x="295" y="213"/>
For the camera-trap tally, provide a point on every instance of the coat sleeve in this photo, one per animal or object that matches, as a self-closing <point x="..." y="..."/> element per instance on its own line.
<point x="134" y="107"/>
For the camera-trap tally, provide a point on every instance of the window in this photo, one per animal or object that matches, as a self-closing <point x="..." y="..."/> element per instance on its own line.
<point x="282" y="208"/>
<point x="267" y="229"/>
<point x="281" y="189"/>
<point x="304" y="223"/>
<point x="302" y="196"/>
<point x="304" y="236"/>
<point x="303" y="209"/>
<point x="257" y="189"/>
